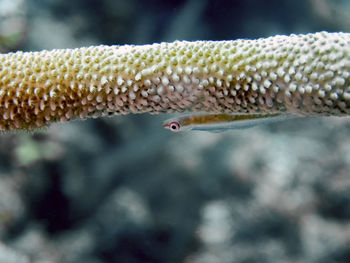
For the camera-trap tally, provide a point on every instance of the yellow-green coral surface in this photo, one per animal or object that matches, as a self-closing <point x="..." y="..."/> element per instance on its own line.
<point x="306" y="74"/>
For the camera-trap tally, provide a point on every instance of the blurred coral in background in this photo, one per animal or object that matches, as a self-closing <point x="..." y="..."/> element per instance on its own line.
<point x="12" y="23"/>
<point x="122" y="189"/>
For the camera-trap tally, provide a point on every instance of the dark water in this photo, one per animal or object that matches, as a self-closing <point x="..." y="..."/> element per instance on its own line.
<point x="122" y="189"/>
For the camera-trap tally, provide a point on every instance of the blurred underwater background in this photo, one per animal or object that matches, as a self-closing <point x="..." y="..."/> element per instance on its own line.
<point x="123" y="189"/>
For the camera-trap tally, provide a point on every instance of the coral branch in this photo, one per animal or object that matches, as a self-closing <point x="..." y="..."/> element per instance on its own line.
<point x="306" y="74"/>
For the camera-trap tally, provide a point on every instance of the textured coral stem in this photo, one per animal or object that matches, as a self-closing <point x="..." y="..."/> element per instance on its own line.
<point x="306" y="74"/>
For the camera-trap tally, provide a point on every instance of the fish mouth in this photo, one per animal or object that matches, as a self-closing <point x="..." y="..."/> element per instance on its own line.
<point x="166" y="126"/>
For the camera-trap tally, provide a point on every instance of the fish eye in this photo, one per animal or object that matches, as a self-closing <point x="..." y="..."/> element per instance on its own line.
<point x="174" y="126"/>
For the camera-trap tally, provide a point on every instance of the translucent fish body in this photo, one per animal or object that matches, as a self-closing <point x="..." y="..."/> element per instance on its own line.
<point x="221" y="122"/>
